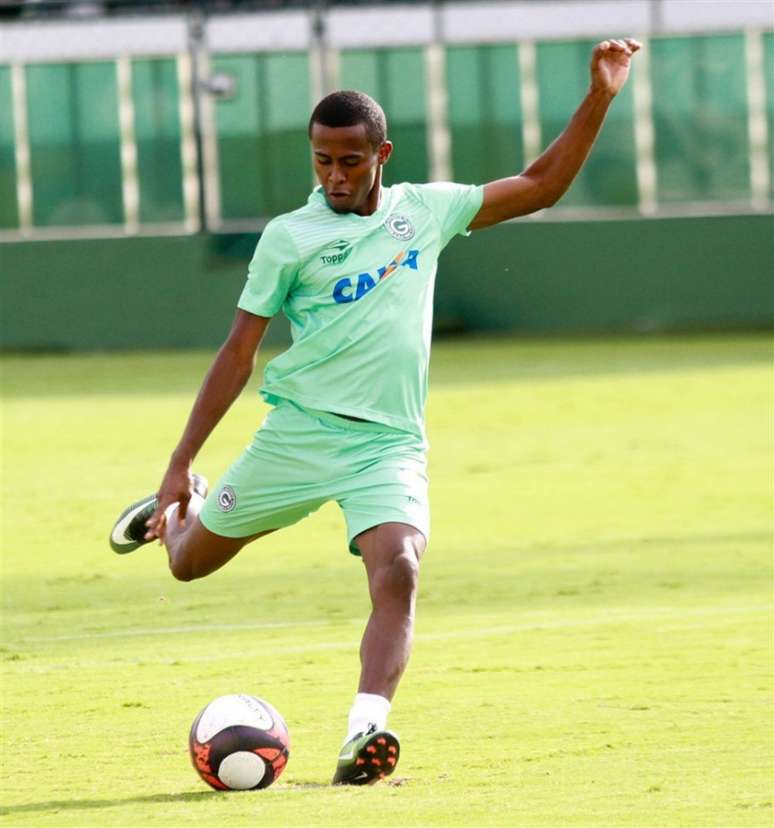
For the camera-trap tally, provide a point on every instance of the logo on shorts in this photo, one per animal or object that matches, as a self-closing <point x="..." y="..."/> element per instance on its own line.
<point x="399" y="227"/>
<point x="226" y="499"/>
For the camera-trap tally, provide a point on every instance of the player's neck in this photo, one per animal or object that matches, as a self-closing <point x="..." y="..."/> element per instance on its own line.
<point x="374" y="198"/>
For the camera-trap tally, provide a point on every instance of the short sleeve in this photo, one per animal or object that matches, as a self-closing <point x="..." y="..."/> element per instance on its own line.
<point x="454" y="206"/>
<point x="271" y="272"/>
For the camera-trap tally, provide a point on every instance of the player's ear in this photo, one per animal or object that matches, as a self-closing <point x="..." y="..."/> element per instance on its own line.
<point x="384" y="152"/>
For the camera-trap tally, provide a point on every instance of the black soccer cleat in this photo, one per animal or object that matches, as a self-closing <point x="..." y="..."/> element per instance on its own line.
<point x="129" y="530"/>
<point x="367" y="758"/>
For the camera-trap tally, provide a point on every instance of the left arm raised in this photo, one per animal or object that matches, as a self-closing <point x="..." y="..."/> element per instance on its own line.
<point x="547" y="179"/>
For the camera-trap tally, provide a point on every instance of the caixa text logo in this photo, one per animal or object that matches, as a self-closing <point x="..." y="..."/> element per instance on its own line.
<point x="345" y="290"/>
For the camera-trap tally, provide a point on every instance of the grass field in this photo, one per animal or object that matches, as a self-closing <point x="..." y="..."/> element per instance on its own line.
<point x="594" y="640"/>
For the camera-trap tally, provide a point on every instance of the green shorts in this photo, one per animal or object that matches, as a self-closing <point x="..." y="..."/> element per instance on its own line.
<point x="300" y="459"/>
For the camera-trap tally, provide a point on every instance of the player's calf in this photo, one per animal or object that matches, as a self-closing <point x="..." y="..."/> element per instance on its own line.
<point x="195" y="552"/>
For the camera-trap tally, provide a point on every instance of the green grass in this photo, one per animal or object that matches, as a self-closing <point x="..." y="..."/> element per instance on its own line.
<point x="594" y="628"/>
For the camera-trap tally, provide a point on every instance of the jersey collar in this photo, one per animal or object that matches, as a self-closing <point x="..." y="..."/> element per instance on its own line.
<point x="317" y="196"/>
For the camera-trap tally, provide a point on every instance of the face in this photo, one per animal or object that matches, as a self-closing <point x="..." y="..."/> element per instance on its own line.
<point x="348" y="167"/>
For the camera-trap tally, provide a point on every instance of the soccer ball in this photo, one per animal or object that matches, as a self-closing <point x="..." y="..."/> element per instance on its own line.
<point x="239" y="743"/>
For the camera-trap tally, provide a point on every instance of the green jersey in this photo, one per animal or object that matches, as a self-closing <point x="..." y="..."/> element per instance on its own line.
<point x="358" y="291"/>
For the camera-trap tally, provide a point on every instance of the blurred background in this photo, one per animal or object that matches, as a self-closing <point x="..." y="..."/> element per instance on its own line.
<point x="143" y="146"/>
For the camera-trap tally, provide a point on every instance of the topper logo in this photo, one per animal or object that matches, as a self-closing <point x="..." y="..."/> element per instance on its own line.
<point x="335" y="253"/>
<point x="345" y="291"/>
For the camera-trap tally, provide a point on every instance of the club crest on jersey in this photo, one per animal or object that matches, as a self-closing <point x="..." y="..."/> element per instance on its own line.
<point x="226" y="499"/>
<point x="336" y="253"/>
<point x="399" y="227"/>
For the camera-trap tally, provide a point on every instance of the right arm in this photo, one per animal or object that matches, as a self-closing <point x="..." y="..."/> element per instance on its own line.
<point x="544" y="182"/>
<point x="224" y="381"/>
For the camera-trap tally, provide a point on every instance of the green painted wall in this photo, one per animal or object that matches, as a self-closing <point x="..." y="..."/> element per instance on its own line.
<point x="527" y="277"/>
<point x="594" y="277"/>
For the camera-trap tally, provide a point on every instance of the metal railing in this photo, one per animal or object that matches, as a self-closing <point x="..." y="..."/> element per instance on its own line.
<point x="327" y="34"/>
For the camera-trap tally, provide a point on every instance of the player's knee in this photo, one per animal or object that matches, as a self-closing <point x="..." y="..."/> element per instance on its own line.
<point x="181" y="570"/>
<point x="181" y="565"/>
<point x="398" y="580"/>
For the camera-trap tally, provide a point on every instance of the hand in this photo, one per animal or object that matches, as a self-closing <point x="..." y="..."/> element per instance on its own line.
<point x="176" y="487"/>
<point x="610" y="64"/>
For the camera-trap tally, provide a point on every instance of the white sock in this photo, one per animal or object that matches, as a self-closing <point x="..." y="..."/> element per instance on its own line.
<point x="367" y="709"/>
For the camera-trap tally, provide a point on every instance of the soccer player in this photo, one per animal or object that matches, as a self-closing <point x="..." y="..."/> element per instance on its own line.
<point x="354" y="271"/>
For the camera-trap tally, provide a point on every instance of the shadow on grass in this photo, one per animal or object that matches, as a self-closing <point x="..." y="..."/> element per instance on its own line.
<point x="94" y="804"/>
<point x="157" y="799"/>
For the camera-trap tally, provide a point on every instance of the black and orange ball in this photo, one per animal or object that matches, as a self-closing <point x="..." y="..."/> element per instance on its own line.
<point x="239" y="743"/>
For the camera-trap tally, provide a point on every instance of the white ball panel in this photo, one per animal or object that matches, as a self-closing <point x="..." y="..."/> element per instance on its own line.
<point x="228" y="711"/>
<point x="241" y="770"/>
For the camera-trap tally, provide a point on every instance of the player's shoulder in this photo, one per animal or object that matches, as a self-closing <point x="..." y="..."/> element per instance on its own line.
<point x="407" y="191"/>
<point x="275" y="239"/>
<point x="310" y="225"/>
<point x="429" y="194"/>
<point x="408" y="196"/>
<point x="295" y="221"/>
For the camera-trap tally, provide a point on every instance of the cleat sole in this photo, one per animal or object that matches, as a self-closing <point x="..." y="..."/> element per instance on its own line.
<point x="376" y="759"/>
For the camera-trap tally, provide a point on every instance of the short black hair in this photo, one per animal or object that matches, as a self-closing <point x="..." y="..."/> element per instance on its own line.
<point x="349" y="108"/>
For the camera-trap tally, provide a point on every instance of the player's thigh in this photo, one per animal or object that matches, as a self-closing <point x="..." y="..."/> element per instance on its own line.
<point x="386" y="504"/>
<point x="201" y="551"/>
<point x="281" y="478"/>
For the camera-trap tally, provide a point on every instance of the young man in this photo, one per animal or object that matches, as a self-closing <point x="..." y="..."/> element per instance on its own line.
<point x="354" y="271"/>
